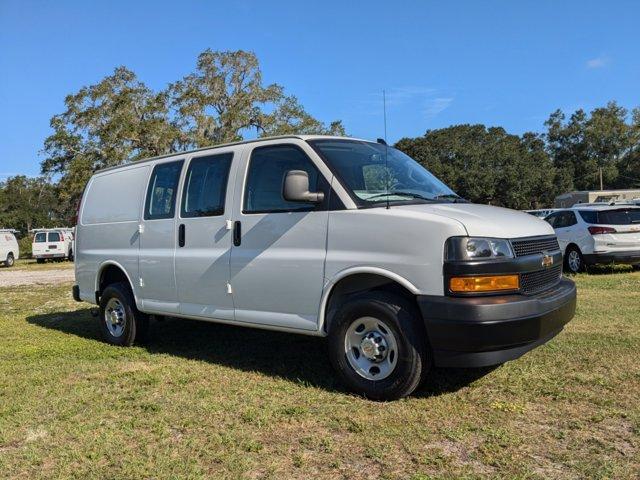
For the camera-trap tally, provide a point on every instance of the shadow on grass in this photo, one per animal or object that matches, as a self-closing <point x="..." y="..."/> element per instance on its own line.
<point x="298" y="358"/>
<point x="609" y="269"/>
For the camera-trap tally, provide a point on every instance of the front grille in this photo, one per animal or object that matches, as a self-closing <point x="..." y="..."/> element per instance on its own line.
<point x="531" y="246"/>
<point x="535" y="282"/>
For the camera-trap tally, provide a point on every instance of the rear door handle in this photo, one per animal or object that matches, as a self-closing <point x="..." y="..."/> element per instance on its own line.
<point x="181" y="235"/>
<point x="237" y="233"/>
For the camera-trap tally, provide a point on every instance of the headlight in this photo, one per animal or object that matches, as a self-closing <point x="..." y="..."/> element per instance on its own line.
<point x="473" y="248"/>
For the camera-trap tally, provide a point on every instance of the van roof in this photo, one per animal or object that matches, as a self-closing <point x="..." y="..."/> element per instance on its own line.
<point x="54" y="229"/>
<point x="231" y="144"/>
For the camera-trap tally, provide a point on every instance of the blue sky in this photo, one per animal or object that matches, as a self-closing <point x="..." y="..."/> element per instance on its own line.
<point x="507" y="63"/>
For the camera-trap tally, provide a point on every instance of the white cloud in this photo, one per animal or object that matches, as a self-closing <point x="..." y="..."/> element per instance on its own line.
<point x="598" y="62"/>
<point x="437" y="105"/>
<point x="403" y="95"/>
<point x="422" y="99"/>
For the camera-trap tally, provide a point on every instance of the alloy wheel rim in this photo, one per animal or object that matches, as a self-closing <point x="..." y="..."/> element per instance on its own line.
<point x="371" y="348"/>
<point x="574" y="261"/>
<point x="115" y="317"/>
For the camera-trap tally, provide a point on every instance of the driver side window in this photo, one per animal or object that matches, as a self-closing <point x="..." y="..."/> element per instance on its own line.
<point x="265" y="180"/>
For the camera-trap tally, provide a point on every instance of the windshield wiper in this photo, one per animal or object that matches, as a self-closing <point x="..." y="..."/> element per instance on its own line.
<point x="400" y="192"/>
<point x="451" y="196"/>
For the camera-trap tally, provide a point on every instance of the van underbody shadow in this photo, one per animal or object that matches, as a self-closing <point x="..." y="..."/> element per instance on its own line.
<point x="297" y="358"/>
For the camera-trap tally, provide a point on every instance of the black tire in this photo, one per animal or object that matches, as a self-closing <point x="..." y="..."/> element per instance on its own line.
<point x="573" y="260"/>
<point x="135" y="324"/>
<point x="10" y="261"/>
<point x="636" y="267"/>
<point x="39" y="260"/>
<point x="413" y="355"/>
<point x="70" y="256"/>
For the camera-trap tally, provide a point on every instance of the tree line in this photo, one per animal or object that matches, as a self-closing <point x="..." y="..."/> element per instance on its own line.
<point x="121" y="119"/>
<point x="489" y="165"/>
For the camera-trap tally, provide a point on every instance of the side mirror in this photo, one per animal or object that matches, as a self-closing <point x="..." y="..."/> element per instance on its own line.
<point x="296" y="188"/>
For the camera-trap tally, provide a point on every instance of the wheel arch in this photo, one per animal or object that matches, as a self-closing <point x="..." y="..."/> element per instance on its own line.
<point x="358" y="279"/>
<point x="572" y="244"/>
<point x="112" y="272"/>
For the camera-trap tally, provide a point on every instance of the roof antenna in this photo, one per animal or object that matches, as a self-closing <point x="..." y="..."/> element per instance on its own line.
<point x="386" y="146"/>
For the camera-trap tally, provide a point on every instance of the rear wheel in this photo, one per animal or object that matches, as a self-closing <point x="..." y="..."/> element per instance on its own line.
<point x="378" y="346"/>
<point x="10" y="260"/>
<point x="120" y="321"/>
<point x="573" y="261"/>
<point x="39" y="260"/>
<point x="70" y="256"/>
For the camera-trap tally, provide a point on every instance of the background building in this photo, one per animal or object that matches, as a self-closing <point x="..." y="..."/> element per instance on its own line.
<point x="590" y="196"/>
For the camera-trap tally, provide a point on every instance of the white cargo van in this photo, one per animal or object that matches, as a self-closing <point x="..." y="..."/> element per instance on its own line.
<point x="9" y="250"/>
<point x="324" y="236"/>
<point x="52" y="243"/>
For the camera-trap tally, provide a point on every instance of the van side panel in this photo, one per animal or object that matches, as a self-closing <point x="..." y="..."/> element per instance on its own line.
<point x="8" y="244"/>
<point x="405" y="243"/>
<point x="107" y="229"/>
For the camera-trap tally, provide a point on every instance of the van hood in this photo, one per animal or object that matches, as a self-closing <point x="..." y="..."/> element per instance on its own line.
<point x="487" y="221"/>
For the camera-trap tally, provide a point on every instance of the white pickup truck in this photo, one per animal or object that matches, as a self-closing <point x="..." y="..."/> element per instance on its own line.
<point x="325" y="236"/>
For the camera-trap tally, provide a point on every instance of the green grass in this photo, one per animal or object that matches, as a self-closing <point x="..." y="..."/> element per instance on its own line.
<point x="32" y="265"/>
<point x="204" y="400"/>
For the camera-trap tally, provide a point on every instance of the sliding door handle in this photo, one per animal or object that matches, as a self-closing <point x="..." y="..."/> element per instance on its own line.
<point x="181" y="235"/>
<point x="237" y="233"/>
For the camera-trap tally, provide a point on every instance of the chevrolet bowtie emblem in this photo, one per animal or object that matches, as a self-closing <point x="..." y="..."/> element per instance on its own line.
<point x="547" y="260"/>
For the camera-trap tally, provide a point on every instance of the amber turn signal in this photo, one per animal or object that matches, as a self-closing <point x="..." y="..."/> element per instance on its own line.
<point x="488" y="283"/>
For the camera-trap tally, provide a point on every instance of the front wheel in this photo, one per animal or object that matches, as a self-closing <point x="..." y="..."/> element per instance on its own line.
<point x="378" y="346"/>
<point x="120" y="321"/>
<point x="573" y="261"/>
<point x="10" y="260"/>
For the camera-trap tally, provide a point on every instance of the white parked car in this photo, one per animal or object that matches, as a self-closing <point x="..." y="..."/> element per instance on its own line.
<point x="595" y="234"/>
<point x="9" y="250"/>
<point x="324" y="236"/>
<point x="52" y="243"/>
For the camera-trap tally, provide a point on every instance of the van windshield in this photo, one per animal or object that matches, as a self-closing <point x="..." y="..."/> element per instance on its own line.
<point x="376" y="173"/>
<point x="622" y="216"/>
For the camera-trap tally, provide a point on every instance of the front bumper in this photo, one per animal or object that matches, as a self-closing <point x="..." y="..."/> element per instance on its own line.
<point x="483" y="331"/>
<point x="628" y="257"/>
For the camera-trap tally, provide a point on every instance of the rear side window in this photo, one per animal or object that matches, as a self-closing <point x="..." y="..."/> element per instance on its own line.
<point x="206" y="186"/>
<point x="54" y="237"/>
<point x="265" y="180"/>
<point x="589" y="216"/>
<point x="40" y="237"/>
<point x="162" y="191"/>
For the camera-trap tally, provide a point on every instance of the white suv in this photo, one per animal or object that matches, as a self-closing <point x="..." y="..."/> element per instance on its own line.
<point x="324" y="236"/>
<point x="595" y="234"/>
<point x="9" y="250"/>
<point x="55" y="244"/>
